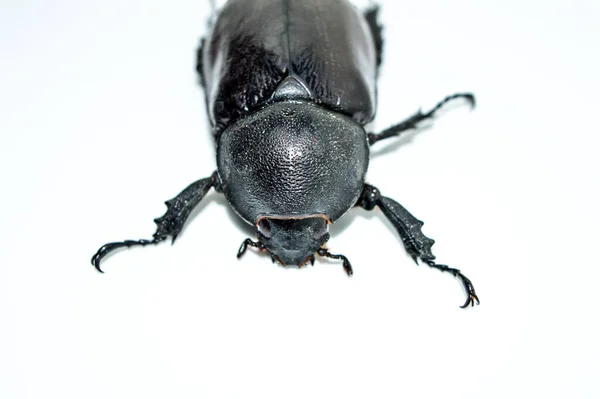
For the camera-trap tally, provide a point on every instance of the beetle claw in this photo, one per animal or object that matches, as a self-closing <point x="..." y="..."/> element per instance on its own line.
<point x="471" y="300"/>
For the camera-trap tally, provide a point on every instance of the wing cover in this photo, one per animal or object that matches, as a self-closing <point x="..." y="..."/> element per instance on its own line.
<point x="255" y="44"/>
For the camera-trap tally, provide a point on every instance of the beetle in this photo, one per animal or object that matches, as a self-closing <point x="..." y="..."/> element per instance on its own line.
<point x="289" y="87"/>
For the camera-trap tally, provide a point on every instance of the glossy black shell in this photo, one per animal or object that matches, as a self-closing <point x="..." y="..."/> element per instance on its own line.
<point x="289" y="86"/>
<point x="326" y="45"/>
<point x="293" y="159"/>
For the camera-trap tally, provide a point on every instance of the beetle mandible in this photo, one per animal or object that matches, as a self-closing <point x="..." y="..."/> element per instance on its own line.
<point x="289" y="87"/>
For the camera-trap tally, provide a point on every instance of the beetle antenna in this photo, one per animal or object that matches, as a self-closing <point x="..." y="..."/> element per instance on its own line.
<point x="245" y="244"/>
<point x="346" y="263"/>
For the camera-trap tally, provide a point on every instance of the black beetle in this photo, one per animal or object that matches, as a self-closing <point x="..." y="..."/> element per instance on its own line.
<point x="289" y="87"/>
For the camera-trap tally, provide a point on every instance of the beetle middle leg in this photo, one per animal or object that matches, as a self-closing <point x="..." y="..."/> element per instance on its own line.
<point x="418" y="117"/>
<point x="417" y="244"/>
<point x="171" y="223"/>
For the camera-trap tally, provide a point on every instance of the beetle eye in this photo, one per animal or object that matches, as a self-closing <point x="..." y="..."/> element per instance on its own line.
<point x="264" y="227"/>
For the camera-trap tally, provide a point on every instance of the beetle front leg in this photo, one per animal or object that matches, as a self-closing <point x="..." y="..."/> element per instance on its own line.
<point x="417" y="244"/>
<point x="171" y="223"/>
<point x="418" y="117"/>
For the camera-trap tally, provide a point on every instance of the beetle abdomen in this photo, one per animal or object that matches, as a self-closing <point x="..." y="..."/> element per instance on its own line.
<point x="334" y="55"/>
<point x="326" y="46"/>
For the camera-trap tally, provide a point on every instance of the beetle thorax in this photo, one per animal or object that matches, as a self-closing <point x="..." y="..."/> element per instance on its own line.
<point x="292" y="158"/>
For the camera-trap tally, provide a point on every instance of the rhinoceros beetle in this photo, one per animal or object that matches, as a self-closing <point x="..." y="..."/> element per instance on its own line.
<point x="289" y="88"/>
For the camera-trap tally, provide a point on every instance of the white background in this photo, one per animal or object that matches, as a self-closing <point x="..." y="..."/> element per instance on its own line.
<point x="102" y="119"/>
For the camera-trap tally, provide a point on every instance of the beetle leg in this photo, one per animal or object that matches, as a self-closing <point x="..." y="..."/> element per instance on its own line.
<point x="419" y="116"/>
<point x="346" y="263"/>
<point x="171" y="223"/>
<point x="417" y="244"/>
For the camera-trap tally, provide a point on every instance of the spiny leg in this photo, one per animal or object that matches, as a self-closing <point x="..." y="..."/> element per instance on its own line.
<point x="411" y="122"/>
<point x="171" y="223"/>
<point x="416" y="243"/>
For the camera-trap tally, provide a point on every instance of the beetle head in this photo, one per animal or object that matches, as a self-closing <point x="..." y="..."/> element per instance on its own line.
<point x="292" y="241"/>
